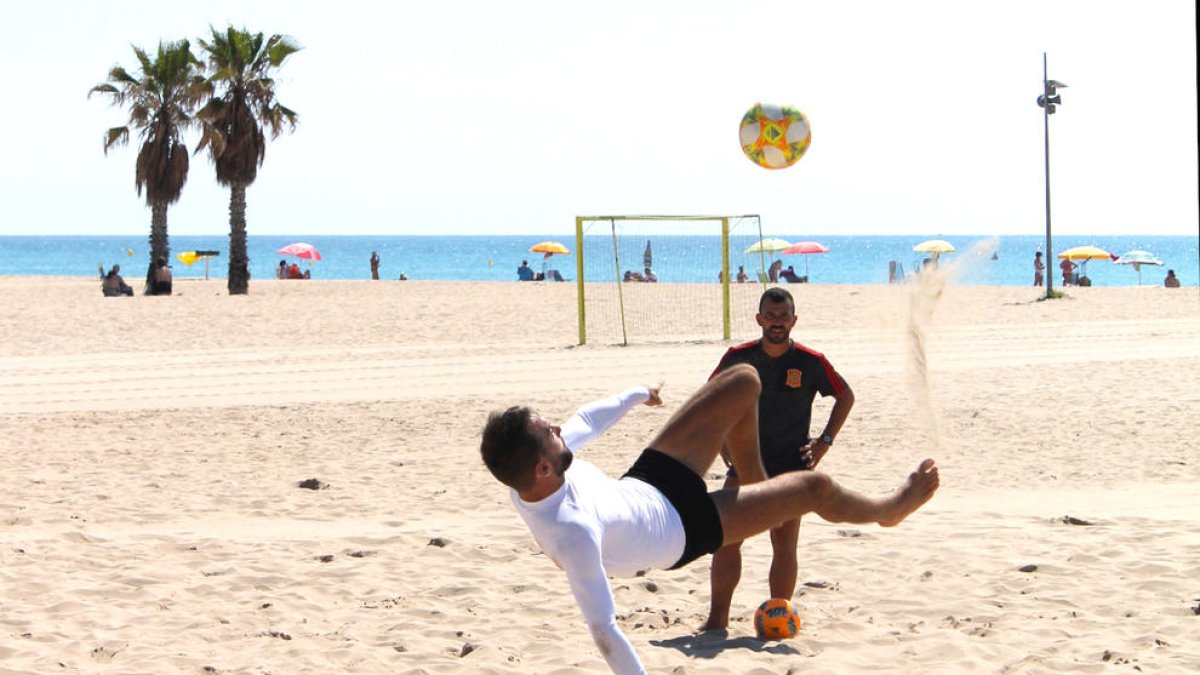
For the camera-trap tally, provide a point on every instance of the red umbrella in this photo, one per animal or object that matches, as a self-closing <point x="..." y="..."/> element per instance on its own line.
<point x="804" y="248"/>
<point x="301" y="250"/>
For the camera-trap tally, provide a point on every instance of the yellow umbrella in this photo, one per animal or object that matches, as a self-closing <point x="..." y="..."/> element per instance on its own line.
<point x="549" y="248"/>
<point x="934" y="246"/>
<point x="768" y="245"/>
<point x="1085" y="253"/>
<point x="189" y="257"/>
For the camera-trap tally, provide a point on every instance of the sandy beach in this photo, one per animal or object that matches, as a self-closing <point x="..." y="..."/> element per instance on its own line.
<point x="151" y="518"/>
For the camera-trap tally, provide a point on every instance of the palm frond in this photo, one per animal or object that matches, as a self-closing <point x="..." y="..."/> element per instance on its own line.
<point x="114" y="137"/>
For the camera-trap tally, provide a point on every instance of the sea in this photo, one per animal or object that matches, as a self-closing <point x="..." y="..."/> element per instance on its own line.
<point x="852" y="259"/>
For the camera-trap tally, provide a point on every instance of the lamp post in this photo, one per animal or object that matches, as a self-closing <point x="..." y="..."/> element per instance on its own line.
<point x="1048" y="101"/>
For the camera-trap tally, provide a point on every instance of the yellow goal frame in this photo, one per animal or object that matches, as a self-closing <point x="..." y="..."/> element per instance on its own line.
<point x="579" y="272"/>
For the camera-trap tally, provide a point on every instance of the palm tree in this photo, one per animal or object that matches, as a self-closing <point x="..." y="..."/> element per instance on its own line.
<point x="241" y="64"/>
<point x="162" y="99"/>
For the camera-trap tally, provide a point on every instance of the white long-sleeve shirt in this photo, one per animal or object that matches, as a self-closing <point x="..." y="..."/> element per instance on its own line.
<point x="594" y="526"/>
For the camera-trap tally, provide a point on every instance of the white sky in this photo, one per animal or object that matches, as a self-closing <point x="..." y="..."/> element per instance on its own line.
<point x="480" y="117"/>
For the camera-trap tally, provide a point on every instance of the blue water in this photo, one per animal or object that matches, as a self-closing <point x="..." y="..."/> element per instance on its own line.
<point x="677" y="258"/>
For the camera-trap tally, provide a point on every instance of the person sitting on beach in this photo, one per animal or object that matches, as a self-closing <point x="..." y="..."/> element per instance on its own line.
<point x="524" y="272"/>
<point x="650" y="276"/>
<point x="741" y="275"/>
<point x="158" y="278"/>
<point x="1171" y="281"/>
<point x="630" y="275"/>
<point x="293" y="272"/>
<point x="789" y="275"/>
<point x="403" y="276"/>
<point x="282" y="271"/>
<point x="660" y="514"/>
<point x="114" y="284"/>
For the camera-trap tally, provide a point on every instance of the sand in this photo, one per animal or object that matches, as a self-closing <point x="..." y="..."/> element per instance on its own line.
<point x="151" y="519"/>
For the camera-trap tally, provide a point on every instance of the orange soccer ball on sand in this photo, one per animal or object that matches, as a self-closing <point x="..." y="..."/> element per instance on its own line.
<point x="776" y="619"/>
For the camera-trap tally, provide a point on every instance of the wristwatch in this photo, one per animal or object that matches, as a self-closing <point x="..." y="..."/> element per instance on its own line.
<point x="826" y="439"/>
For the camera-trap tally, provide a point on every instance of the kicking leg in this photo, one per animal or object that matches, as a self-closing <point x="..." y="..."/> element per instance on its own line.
<point x="722" y="412"/>
<point x="751" y="509"/>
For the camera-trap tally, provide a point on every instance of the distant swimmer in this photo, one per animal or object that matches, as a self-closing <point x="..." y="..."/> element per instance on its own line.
<point x="660" y="514"/>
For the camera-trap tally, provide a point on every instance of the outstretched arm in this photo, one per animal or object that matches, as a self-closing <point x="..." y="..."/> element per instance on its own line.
<point x="593" y="419"/>
<point x="589" y="585"/>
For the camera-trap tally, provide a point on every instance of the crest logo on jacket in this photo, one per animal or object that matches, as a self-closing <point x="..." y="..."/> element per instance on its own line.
<point x="794" y="378"/>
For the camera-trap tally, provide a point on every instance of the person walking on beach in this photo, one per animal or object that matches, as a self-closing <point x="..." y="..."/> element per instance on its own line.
<point x="1039" y="269"/>
<point x="791" y="375"/>
<point x="1171" y="281"/>
<point x="660" y="514"/>
<point x="374" y="266"/>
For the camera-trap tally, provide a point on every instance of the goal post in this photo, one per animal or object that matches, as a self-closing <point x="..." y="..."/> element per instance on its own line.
<point x="690" y="258"/>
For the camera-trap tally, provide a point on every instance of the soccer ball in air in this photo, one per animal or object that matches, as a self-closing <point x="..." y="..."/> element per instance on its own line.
<point x="774" y="136"/>
<point x="776" y="619"/>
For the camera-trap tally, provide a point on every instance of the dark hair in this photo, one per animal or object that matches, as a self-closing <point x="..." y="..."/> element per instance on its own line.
<point x="509" y="448"/>
<point x="776" y="295"/>
<point x="1038" y="254"/>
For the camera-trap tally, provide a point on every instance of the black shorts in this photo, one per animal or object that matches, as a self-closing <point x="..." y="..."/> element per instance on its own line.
<point x="688" y="493"/>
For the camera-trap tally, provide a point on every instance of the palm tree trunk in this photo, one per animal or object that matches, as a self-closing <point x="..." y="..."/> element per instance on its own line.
<point x="159" y="247"/>
<point x="239" y="264"/>
<point x="159" y="243"/>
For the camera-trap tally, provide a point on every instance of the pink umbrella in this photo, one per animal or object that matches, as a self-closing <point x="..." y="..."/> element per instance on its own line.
<point x="301" y="250"/>
<point x="804" y="248"/>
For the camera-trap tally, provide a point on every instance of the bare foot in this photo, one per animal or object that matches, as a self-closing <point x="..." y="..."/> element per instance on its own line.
<point x="713" y="623"/>
<point x="917" y="490"/>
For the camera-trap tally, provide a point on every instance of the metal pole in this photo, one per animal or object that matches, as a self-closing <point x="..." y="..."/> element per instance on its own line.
<point x="1046" y="125"/>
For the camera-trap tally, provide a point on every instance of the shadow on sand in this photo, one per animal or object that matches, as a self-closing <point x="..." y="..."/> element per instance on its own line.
<point x="708" y="644"/>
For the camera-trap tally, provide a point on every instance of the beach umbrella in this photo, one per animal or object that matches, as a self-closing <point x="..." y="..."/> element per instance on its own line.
<point x="301" y="250"/>
<point x="190" y="257"/>
<point x="805" y="248"/>
<point x="934" y="247"/>
<point x="648" y="256"/>
<point x="1137" y="258"/>
<point x="549" y="248"/>
<point x="768" y="245"/>
<point x="1084" y="254"/>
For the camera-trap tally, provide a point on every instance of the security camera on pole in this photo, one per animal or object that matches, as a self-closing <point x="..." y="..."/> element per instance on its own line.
<point x="1048" y="101"/>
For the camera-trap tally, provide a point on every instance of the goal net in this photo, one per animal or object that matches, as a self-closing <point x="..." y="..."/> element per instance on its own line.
<point x="644" y="279"/>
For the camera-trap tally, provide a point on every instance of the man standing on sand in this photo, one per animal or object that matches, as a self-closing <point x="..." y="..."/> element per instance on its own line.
<point x="1039" y="269"/>
<point x="660" y="515"/>
<point x="374" y="265"/>
<point x="791" y="375"/>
